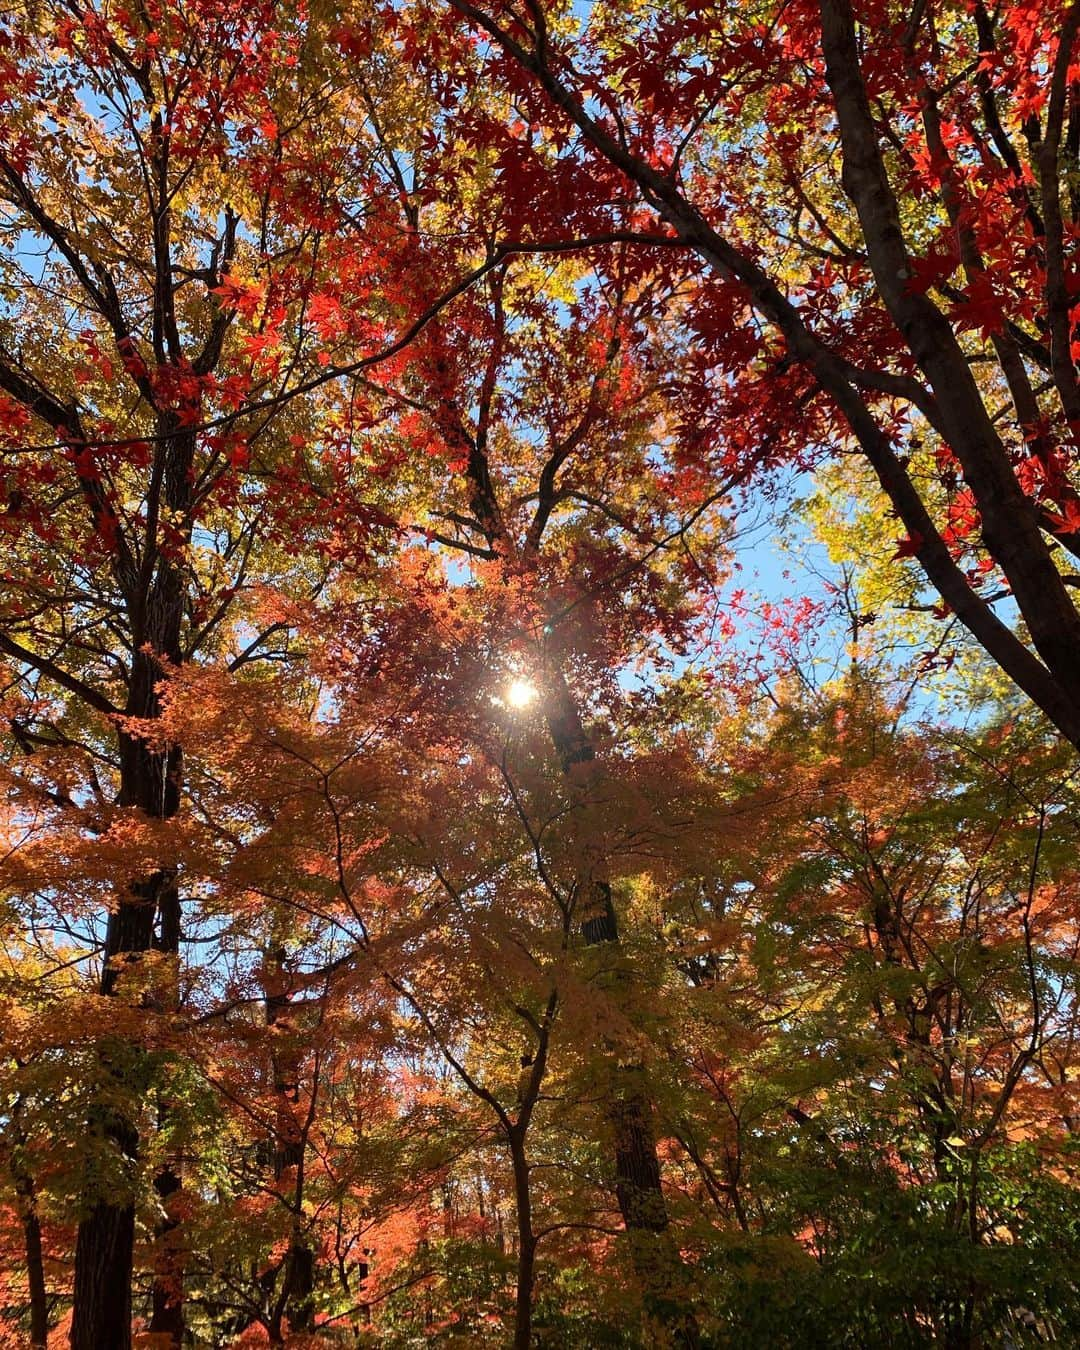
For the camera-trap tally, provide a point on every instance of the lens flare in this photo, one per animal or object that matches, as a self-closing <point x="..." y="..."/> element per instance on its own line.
<point x="520" y="693"/>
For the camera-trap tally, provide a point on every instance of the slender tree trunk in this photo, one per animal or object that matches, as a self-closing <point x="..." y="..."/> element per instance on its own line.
<point x="298" y="1272"/>
<point x="167" y="1295"/>
<point x="167" y="1315"/>
<point x="660" y="1271"/>
<point x="526" y="1272"/>
<point x="35" y="1267"/>
<point x="35" y="1277"/>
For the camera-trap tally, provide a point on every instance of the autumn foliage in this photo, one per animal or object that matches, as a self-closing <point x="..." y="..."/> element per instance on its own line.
<point x="456" y="886"/>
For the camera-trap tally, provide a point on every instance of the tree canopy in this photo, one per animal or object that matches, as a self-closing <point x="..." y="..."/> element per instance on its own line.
<point x="540" y="673"/>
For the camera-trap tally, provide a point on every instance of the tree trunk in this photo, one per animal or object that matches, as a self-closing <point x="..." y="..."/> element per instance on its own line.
<point x="103" y="1251"/>
<point x="298" y="1272"/>
<point x="661" y="1274"/>
<point x="150" y="780"/>
<point x="300" y="1286"/>
<point x="101" y="1318"/>
<point x="167" y="1295"/>
<point x="526" y="1272"/>
<point x="167" y="1315"/>
<point x="35" y="1267"/>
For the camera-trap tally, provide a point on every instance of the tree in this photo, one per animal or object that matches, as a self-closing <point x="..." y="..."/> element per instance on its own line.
<point x="533" y="493"/>
<point x="161" y="233"/>
<point x="424" y="916"/>
<point x="873" y="994"/>
<point x="971" y="386"/>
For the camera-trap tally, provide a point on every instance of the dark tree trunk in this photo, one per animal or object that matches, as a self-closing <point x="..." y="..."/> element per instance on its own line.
<point x="167" y="1295"/>
<point x="35" y="1267"/>
<point x="103" y="1278"/>
<point x="526" y="1272"/>
<point x="300" y="1286"/>
<point x="35" y="1277"/>
<point x="103" y="1251"/>
<point x="298" y="1272"/>
<point x="150" y="780"/>
<point x="660" y="1271"/>
<point x="101" y="1317"/>
<point x="167" y="1315"/>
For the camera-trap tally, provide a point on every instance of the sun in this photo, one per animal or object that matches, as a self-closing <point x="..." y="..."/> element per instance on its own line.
<point x="520" y="693"/>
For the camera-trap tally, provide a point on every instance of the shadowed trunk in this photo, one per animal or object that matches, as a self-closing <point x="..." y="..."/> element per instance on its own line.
<point x="150" y="780"/>
<point x="295" y="1301"/>
<point x="35" y="1267"/>
<point x="167" y="1297"/>
<point x="661" y="1273"/>
<point x="167" y="1316"/>
<point x="103" y="1253"/>
<point x="103" y="1278"/>
<point x="526" y="1272"/>
<point x="105" y="1242"/>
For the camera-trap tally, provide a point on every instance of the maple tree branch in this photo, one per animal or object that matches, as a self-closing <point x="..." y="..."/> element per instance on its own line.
<point x="105" y="301"/>
<point x="398" y="345"/>
<point x="1030" y="346"/>
<point x="1057" y="286"/>
<point x="562" y="450"/>
<point x="904" y="387"/>
<point x="474" y="550"/>
<point x="247" y="653"/>
<point x="102" y="293"/>
<point x="1009" y="522"/>
<point x="495" y="259"/>
<point x="90" y="696"/>
<point x="834" y="376"/>
<point x="208" y="357"/>
<point x="473" y="1084"/>
<point x="563" y="902"/>
<point x="64" y="420"/>
<point x="984" y="27"/>
<point x="1021" y="391"/>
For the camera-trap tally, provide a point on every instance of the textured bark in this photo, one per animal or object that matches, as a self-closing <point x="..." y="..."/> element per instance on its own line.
<point x="102" y="1291"/>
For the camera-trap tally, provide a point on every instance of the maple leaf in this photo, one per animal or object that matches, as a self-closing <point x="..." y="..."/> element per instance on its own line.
<point x="243" y="296"/>
<point x="908" y="547"/>
<point x="1067" y="516"/>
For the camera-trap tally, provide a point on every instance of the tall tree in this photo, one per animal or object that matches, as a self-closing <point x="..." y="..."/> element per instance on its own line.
<point x="163" y="272"/>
